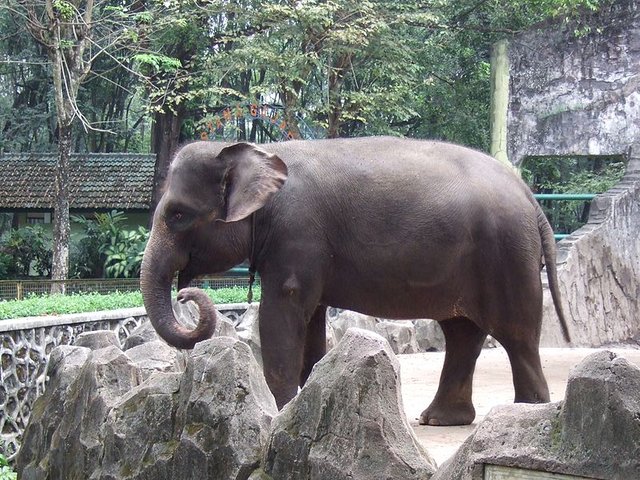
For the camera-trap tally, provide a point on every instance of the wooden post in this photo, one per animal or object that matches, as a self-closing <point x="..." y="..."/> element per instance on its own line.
<point x="499" y="100"/>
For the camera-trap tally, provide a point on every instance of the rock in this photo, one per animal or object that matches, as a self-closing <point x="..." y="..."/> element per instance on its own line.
<point x="75" y="450"/>
<point x="99" y="421"/>
<point x="401" y="335"/>
<point x="154" y="356"/>
<point x="139" y="440"/>
<point x="225" y="327"/>
<point x="225" y="412"/>
<point x="332" y="341"/>
<point x="429" y="335"/>
<point x="97" y="339"/>
<point x="348" y="421"/>
<point x="65" y="365"/>
<point x="594" y="432"/>
<point x="248" y="331"/>
<point x="602" y="416"/>
<point x="188" y="314"/>
<point x="342" y="320"/>
<point x="144" y="333"/>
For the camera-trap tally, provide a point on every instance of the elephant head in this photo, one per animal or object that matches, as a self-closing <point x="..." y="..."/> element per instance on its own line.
<point x="201" y="225"/>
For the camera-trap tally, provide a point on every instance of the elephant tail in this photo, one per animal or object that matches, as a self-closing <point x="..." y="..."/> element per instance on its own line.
<point x="549" y="251"/>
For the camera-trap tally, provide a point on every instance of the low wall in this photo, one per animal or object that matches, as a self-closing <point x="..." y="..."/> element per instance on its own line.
<point x="26" y="345"/>
<point x="599" y="272"/>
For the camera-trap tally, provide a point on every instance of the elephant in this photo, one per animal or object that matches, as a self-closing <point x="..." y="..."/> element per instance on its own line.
<point x="390" y="227"/>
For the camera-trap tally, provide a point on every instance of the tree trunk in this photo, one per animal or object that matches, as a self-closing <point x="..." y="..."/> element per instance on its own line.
<point x="165" y="139"/>
<point x="61" y="224"/>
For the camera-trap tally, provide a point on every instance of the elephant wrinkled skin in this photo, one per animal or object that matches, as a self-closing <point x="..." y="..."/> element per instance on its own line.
<point x="389" y="227"/>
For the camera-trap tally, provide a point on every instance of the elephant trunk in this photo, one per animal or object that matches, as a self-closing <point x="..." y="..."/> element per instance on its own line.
<point x="160" y="262"/>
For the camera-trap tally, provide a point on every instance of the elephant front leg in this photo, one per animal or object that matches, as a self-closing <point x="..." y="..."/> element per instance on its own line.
<point x="452" y="404"/>
<point x="282" y="338"/>
<point x="315" y="345"/>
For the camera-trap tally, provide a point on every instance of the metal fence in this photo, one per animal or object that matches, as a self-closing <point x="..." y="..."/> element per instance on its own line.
<point x="20" y="289"/>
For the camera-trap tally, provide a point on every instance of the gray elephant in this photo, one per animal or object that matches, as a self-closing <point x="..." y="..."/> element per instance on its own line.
<point x="389" y="227"/>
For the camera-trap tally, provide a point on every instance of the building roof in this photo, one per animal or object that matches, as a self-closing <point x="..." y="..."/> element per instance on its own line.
<point x="96" y="181"/>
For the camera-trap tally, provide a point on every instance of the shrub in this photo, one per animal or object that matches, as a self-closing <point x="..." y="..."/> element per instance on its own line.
<point x="24" y="249"/>
<point x="124" y="253"/>
<point x="6" y="472"/>
<point x="35" y="305"/>
<point x="107" y="249"/>
<point x="571" y="175"/>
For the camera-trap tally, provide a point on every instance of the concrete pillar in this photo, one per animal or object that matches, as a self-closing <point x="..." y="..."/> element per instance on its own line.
<point x="499" y="100"/>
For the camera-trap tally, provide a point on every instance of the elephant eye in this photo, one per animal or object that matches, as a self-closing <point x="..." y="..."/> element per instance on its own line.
<point x="177" y="215"/>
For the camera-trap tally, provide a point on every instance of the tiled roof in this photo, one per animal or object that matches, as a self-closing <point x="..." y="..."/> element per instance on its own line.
<point x="96" y="180"/>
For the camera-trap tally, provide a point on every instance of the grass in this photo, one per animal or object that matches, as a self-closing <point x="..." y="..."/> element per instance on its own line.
<point x="37" y="305"/>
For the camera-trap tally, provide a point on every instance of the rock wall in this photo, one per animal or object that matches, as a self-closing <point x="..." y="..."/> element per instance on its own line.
<point x="150" y="412"/>
<point x="577" y="94"/>
<point x="599" y="272"/>
<point x="574" y="89"/>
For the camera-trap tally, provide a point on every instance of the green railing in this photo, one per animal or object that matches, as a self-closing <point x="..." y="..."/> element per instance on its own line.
<point x="564" y="196"/>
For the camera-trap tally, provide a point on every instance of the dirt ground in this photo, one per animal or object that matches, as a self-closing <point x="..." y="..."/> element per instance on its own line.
<point x="492" y="386"/>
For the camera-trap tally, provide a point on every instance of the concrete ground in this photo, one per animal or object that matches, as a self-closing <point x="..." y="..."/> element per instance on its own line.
<point x="492" y="386"/>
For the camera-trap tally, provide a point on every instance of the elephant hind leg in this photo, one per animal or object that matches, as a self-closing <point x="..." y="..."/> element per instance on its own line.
<point x="519" y="334"/>
<point x="528" y="378"/>
<point x="452" y="404"/>
<point x="315" y="345"/>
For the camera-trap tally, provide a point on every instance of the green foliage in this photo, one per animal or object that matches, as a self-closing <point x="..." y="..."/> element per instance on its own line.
<point x="64" y="9"/>
<point x="345" y="68"/>
<point x="154" y="63"/>
<point x="570" y="175"/>
<point x="124" y="253"/>
<point x="107" y="248"/>
<point x="6" y="471"/>
<point x="35" y="305"/>
<point x="25" y="249"/>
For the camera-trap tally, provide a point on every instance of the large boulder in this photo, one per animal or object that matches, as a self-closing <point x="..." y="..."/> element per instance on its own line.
<point x="248" y="331"/>
<point x="594" y="432"/>
<point x="211" y="421"/>
<point x="429" y="335"/>
<point x="35" y="456"/>
<point x="401" y="335"/>
<point x="109" y="414"/>
<point x="343" y="320"/>
<point x="348" y="421"/>
<point x="404" y="336"/>
<point x="76" y="446"/>
<point x="224" y="413"/>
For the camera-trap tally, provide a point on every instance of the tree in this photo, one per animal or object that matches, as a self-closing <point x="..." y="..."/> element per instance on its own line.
<point x="73" y="34"/>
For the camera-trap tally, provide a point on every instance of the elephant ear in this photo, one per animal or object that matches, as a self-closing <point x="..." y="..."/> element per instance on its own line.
<point x="252" y="177"/>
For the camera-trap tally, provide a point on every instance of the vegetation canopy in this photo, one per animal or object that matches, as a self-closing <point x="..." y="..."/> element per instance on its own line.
<point x="113" y="76"/>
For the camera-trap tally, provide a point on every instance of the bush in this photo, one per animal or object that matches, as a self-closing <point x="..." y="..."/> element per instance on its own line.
<point x="24" y="249"/>
<point x="35" y="305"/>
<point x="124" y="253"/>
<point x="571" y="175"/>
<point x="107" y="249"/>
<point x="6" y="472"/>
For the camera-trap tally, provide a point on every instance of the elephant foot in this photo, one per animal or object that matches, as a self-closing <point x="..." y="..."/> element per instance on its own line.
<point x="440" y="415"/>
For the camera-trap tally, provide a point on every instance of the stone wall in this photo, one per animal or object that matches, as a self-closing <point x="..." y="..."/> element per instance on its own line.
<point x="599" y="271"/>
<point x="575" y="91"/>
<point x="577" y="94"/>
